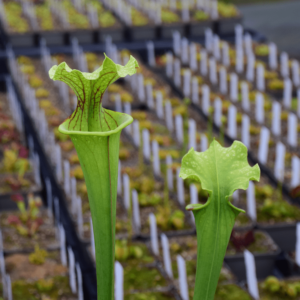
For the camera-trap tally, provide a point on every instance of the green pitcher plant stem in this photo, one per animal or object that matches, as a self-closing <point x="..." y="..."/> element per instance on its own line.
<point x="95" y="132"/>
<point x="220" y="171"/>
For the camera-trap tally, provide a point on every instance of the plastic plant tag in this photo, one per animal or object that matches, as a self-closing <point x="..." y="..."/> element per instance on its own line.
<point x="225" y="54"/>
<point x="192" y="134"/>
<point x="295" y="72"/>
<point x="250" y="67"/>
<point x="248" y="43"/>
<point x="49" y="196"/>
<point x="184" y="50"/>
<point x="251" y="274"/>
<point x="119" y="281"/>
<point x="155" y="159"/>
<point x="79" y="282"/>
<point x="216" y="47"/>
<point x="62" y="245"/>
<point x="205" y="99"/>
<point x="251" y="203"/>
<point x="118" y="103"/>
<point x="217" y="112"/>
<point x="245" y="96"/>
<point x="182" y="278"/>
<point x="203" y="62"/>
<point x="203" y="143"/>
<point x="136" y="133"/>
<point x="179" y="187"/>
<point x="195" y="90"/>
<point x="284" y="65"/>
<point x="149" y="94"/>
<point x="298" y="244"/>
<point x="176" y="43"/>
<point x="223" y="80"/>
<point x="169" y="64"/>
<point x="159" y="105"/>
<point x="279" y="161"/>
<point x="73" y="195"/>
<point x="193" y="194"/>
<point x="273" y="56"/>
<point x="193" y="57"/>
<point x="220" y="171"/>
<point x="126" y="191"/>
<point x="295" y="179"/>
<point x="260" y="78"/>
<point x="72" y="277"/>
<point x="141" y="88"/>
<point x="166" y="255"/>
<point x="212" y="70"/>
<point x="79" y="217"/>
<point x="208" y="39"/>
<point x="179" y="128"/>
<point x="169" y="115"/>
<point x="239" y="61"/>
<point x="232" y="128"/>
<point x="233" y="87"/>
<point x="292" y="130"/>
<point x="136" y="212"/>
<point x="263" y="147"/>
<point x="67" y="187"/>
<point x="276" y="118"/>
<point x="95" y="132"/>
<point x="287" y="93"/>
<point x="246" y="131"/>
<point x="153" y="234"/>
<point x="169" y="162"/>
<point x="187" y="83"/>
<point x="259" y="108"/>
<point x="151" y="53"/>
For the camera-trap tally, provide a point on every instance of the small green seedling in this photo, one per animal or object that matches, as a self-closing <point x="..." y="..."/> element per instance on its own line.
<point x="95" y="132"/>
<point x="220" y="171"/>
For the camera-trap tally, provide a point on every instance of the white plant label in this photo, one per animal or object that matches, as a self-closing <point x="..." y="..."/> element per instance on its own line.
<point x="146" y="144"/>
<point x="248" y="43"/>
<point x="169" y="163"/>
<point x="232" y="129"/>
<point x="62" y="244"/>
<point x="251" y="203"/>
<point x="295" y="72"/>
<point x="216" y="47"/>
<point x="273" y="56"/>
<point x="119" y="179"/>
<point x="223" y="80"/>
<point x="287" y="93"/>
<point x="180" y="188"/>
<point x="119" y="281"/>
<point x="126" y="187"/>
<point x="49" y="196"/>
<point x="179" y="128"/>
<point x="259" y="108"/>
<point x="295" y="180"/>
<point x="187" y="83"/>
<point x="208" y="39"/>
<point x="218" y="112"/>
<point x="166" y="255"/>
<point x="193" y="194"/>
<point x="177" y="75"/>
<point x="250" y="67"/>
<point x="169" y="64"/>
<point x="260" y="78"/>
<point x="193" y="57"/>
<point x="225" y="54"/>
<point x="195" y="90"/>
<point x="136" y="133"/>
<point x="141" y="88"/>
<point x="292" y="130"/>
<point x="297" y="258"/>
<point x="284" y="64"/>
<point x="184" y="50"/>
<point x="79" y="282"/>
<point x="176" y="43"/>
<point x="73" y="194"/>
<point x="298" y="102"/>
<point x="263" y="148"/>
<point x="72" y="277"/>
<point x="276" y="118"/>
<point x="169" y="116"/>
<point x="205" y="99"/>
<point x="233" y="87"/>
<point x="153" y="234"/>
<point x="118" y="103"/>
<point x="79" y="217"/>
<point x="203" y="63"/>
<point x="213" y="71"/>
<point x="136" y="211"/>
<point x="246" y="131"/>
<point x="151" y="53"/>
<point x="279" y="161"/>
<point x="203" y="143"/>
<point x="245" y="96"/>
<point x="251" y="274"/>
<point x="159" y="105"/>
<point x="192" y="134"/>
<point x="156" y="161"/>
<point x="67" y="177"/>
<point x="149" y="93"/>
<point x="182" y="278"/>
<point x="239" y="61"/>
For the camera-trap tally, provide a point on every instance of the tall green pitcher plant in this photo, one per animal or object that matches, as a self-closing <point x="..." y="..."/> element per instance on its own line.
<point x="95" y="132"/>
<point x="221" y="171"/>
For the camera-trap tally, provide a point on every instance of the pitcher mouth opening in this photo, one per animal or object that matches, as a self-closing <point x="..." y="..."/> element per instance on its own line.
<point x="125" y="118"/>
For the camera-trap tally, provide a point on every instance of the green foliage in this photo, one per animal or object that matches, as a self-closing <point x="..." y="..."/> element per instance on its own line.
<point x="262" y="50"/>
<point x="220" y="171"/>
<point x="275" y="289"/>
<point x="95" y="133"/>
<point x="231" y="292"/>
<point x="200" y="15"/>
<point x="27" y="222"/>
<point x="38" y="256"/>
<point x="227" y="10"/>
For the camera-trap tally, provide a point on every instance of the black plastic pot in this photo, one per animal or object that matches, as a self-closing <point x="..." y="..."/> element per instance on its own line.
<point x="142" y="33"/>
<point x="166" y="30"/>
<point x="284" y="235"/>
<point x="117" y="34"/>
<point x="226" y="26"/>
<point x="197" y="29"/>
